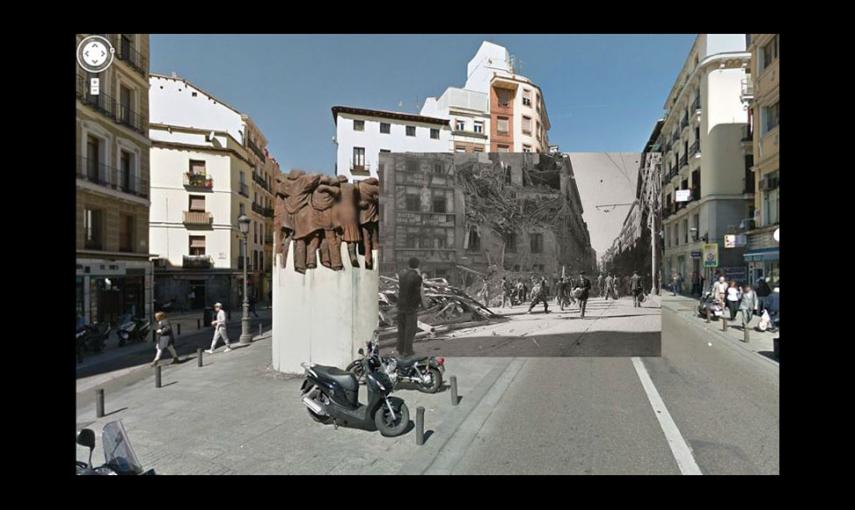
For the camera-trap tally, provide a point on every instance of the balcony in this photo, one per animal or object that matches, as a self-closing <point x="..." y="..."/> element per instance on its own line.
<point x="696" y="104"/>
<point x="197" y="262"/>
<point x="198" y="218"/>
<point x="696" y="193"/>
<point x="200" y="182"/>
<point x="684" y="123"/>
<point x="268" y="212"/>
<point x="112" y="178"/>
<point x="254" y="148"/>
<point x="107" y="106"/>
<point x="746" y="94"/>
<point x="695" y="148"/>
<point x="130" y="118"/>
<point x="675" y="137"/>
<point x="258" y="179"/>
<point x="361" y="169"/>
<point x="684" y="160"/>
<point x="244" y="190"/>
<point x="126" y="51"/>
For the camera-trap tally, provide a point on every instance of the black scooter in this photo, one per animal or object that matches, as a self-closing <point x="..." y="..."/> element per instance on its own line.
<point x="132" y="330"/>
<point x="331" y="396"/>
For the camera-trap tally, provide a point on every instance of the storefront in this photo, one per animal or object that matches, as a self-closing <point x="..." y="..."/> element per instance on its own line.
<point x="763" y="263"/>
<point x="108" y="289"/>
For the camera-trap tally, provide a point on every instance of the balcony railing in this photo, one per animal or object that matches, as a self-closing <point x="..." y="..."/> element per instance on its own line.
<point x="198" y="181"/>
<point x="696" y="193"/>
<point x="113" y="178"/>
<point x="254" y="148"/>
<point x="107" y="105"/>
<point x="129" y="118"/>
<point x="685" y="122"/>
<point x="244" y="190"/>
<point x="197" y="261"/>
<point x="258" y="179"/>
<point x="696" y="104"/>
<point x="126" y="51"/>
<point x="268" y="211"/>
<point x="746" y="89"/>
<point x="361" y="169"/>
<point x="695" y="147"/>
<point x="675" y="136"/>
<point x="198" y="218"/>
<point x="684" y="160"/>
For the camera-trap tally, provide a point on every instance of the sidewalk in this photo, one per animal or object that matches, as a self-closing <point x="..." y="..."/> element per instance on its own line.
<point x="236" y="415"/>
<point x="759" y="342"/>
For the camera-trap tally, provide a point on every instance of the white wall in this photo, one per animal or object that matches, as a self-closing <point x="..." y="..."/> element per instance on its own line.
<point x="396" y="141"/>
<point x="721" y="43"/>
<point x="489" y="58"/>
<point x="722" y="160"/>
<point x="171" y="101"/>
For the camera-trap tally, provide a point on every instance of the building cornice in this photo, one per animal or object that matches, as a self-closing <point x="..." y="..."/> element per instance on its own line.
<point x="336" y="110"/>
<point x="201" y="148"/>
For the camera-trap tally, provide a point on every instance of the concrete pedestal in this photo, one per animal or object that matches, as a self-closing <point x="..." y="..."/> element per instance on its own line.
<point x="323" y="316"/>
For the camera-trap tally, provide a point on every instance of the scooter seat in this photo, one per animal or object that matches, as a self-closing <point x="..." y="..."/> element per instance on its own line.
<point x="409" y="361"/>
<point x="345" y="379"/>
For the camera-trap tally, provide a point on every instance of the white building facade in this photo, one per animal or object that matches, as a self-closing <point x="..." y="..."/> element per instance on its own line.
<point x="703" y="155"/>
<point x="209" y="166"/>
<point x="362" y="134"/>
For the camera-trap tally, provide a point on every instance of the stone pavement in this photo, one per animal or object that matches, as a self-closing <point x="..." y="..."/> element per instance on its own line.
<point x="235" y="415"/>
<point x="759" y="342"/>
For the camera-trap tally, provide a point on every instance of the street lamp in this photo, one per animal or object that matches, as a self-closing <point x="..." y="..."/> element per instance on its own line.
<point x="245" y="337"/>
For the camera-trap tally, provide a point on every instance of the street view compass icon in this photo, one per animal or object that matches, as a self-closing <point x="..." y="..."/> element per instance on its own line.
<point x="95" y="53"/>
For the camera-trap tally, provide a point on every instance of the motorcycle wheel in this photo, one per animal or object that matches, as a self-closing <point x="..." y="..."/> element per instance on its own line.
<point x="384" y="422"/>
<point x="323" y="399"/>
<point x="357" y="369"/>
<point x="436" y="382"/>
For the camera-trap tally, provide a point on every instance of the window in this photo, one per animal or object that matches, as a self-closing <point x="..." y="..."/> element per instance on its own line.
<point x="511" y="243"/>
<point x="412" y="241"/>
<point x="538" y="129"/>
<point x="474" y="240"/>
<point x="771" y="205"/>
<point x="358" y="158"/>
<point x="441" y="242"/>
<point x="385" y="151"/>
<point x="503" y="96"/>
<point x="93" y="158"/>
<point x="459" y="148"/>
<point x="526" y="125"/>
<point x="503" y="148"/>
<point x="771" y="117"/>
<point x="526" y="99"/>
<point x="437" y="169"/>
<point x="685" y="231"/>
<point x="197" y="203"/>
<point x="411" y="130"/>
<point x="536" y="243"/>
<point x="412" y="202"/>
<point x="460" y="125"/>
<point x="385" y="128"/>
<point x="507" y="175"/>
<point x="197" y="167"/>
<point x="242" y="178"/>
<point x="479" y="126"/>
<point x="126" y="167"/>
<point x="439" y="204"/>
<point x="502" y="125"/>
<point x="434" y="133"/>
<point x="241" y="209"/>
<point x="197" y="245"/>
<point x="526" y="148"/>
<point x="93" y="222"/>
<point x="770" y="53"/>
<point x="359" y="125"/>
<point x="125" y="101"/>
<point x="126" y="232"/>
<point x="749" y="175"/>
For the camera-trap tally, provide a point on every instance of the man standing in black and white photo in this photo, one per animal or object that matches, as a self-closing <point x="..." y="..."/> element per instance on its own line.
<point x="409" y="301"/>
<point x="584" y="286"/>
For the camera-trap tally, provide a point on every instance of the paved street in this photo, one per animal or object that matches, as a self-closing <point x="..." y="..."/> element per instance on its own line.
<point x="526" y="415"/>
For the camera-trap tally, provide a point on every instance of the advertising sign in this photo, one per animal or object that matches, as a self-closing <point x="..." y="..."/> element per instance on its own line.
<point x="711" y="255"/>
<point x="735" y="240"/>
<point x="683" y="195"/>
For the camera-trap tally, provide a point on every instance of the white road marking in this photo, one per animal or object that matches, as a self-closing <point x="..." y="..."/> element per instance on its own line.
<point x="679" y="448"/>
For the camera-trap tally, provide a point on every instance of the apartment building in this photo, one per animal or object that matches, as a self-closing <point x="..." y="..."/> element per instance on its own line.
<point x="704" y="158"/>
<point x="761" y="95"/>
<point x="475" y="214"/>
<point x="209" y="166"/>
<point x="112" y="185"/>
<point x="362" y="134"/>
<point x="497" y="110"/>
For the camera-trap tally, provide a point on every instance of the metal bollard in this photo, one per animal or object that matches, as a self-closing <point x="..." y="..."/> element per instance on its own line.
<point x="99" y="402"/>
<point x="157" y="376"/>
<point x="420" y="425"/>
<point x="723" y="323"/>
<point x="198" y="323"/>
<point x="199" y="356"/>
<point x="454" y="398"/>
<point x="179" y="328"/>
<point x="708" y="315"/>
<point x="746" y="335"/>
<point x="259" y="329"/>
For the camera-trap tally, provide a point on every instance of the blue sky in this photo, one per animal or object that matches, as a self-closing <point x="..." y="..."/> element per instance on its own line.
<point x="603" y="92"/>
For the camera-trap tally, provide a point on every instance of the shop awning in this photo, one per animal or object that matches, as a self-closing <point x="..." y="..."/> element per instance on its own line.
<point x="761" y="254"/>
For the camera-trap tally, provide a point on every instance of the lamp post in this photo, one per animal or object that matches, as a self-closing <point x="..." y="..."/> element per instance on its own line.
<point x="245" y="337"/>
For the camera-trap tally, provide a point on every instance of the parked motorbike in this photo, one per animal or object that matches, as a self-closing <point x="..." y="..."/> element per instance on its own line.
<point x="119" y="456"/>
<point x="425" y="372"/>
<point x="331" y="396"/>
<point x="132" y="330"/>
<point x="707" y="302"/>
<point x="92" y="338"/>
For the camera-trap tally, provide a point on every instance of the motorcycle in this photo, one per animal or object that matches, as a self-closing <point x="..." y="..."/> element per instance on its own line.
<point x="707" y="302"/>
<point x="332" y="396"/>
<point x="92" y="338"/>
<point x="425" y="372"/>
<point x="119" y="456"/>
<point x="132" y="330"/>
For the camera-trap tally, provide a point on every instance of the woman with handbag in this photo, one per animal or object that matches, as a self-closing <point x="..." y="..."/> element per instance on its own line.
<point x="165" y="338"/>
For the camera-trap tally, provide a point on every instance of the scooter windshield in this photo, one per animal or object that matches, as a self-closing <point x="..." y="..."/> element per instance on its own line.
<point x="118" y="452"/>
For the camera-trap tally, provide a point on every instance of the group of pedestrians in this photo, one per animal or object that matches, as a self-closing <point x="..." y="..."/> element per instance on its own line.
<point x="747" y="301"/>
<point x="165" y="340"/>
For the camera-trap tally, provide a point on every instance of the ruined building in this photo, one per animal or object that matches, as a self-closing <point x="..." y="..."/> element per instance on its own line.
<point x="467" y="216"/>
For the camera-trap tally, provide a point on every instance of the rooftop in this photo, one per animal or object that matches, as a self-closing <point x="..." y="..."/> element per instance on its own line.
<point x="336" y="110"/>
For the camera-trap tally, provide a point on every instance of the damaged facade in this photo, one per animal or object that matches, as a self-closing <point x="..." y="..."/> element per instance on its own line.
<point x="467" y="216"/>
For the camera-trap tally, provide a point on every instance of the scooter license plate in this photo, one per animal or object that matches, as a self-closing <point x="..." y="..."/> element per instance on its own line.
<point x="719" y="313"/>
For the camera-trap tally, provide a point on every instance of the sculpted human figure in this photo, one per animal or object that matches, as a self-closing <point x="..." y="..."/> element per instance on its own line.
<point x="283" y="223"/>
<point x="297" y="205"/>
<point x="348" y="218"/>
<point x="324" y="197"/>
<point x="369" y="216"/>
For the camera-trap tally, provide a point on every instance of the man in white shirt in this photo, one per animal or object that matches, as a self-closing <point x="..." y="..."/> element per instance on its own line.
<point x="219" y="329"/>
<point x="720" y="290"/>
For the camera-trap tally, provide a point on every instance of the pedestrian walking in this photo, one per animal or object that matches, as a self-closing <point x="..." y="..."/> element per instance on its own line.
<point x="607" y="287"/>
<point x="252" y="306"/>
<point x="507" y="290"/>
<point x="520" y="291"/>
<point x="733" y="297"/>
<point x="409" y="301"/>
<point x="165" y="338"/>
<point x="763" y="291"/>
<point x="219" y="329"/>
<point x="561" y="292"/>
<point x="673" y="284"/>
<point x="748" y="305"/>
<point x="637" y="289"/>
<point x="696" y="284"/>
<point x="584" y="286"/>
<point x="538" y="294"/>
<point x="485" y="293"/>
<point x="719" y="291"/>
<point x="600" y="285"/>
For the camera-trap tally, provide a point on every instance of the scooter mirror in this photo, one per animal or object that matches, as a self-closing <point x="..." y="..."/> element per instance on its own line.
<point x="86" y="437"/>
<point x="361" y="351"/>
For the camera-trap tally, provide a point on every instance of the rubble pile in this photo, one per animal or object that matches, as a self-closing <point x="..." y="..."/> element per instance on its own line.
<point x="445" y="305"/>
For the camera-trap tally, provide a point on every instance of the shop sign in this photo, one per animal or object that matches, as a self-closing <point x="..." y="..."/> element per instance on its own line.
<point x="735" y="240"/>
<point x="102" y="268"/>
<point x="683" y="195"/>
<point x="696" y="254"/>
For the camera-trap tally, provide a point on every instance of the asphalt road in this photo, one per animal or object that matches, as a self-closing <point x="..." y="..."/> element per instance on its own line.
<point x="593" y="416"/>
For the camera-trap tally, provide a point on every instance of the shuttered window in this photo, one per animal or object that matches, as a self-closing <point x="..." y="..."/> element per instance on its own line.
<point x="197" y="203"/>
